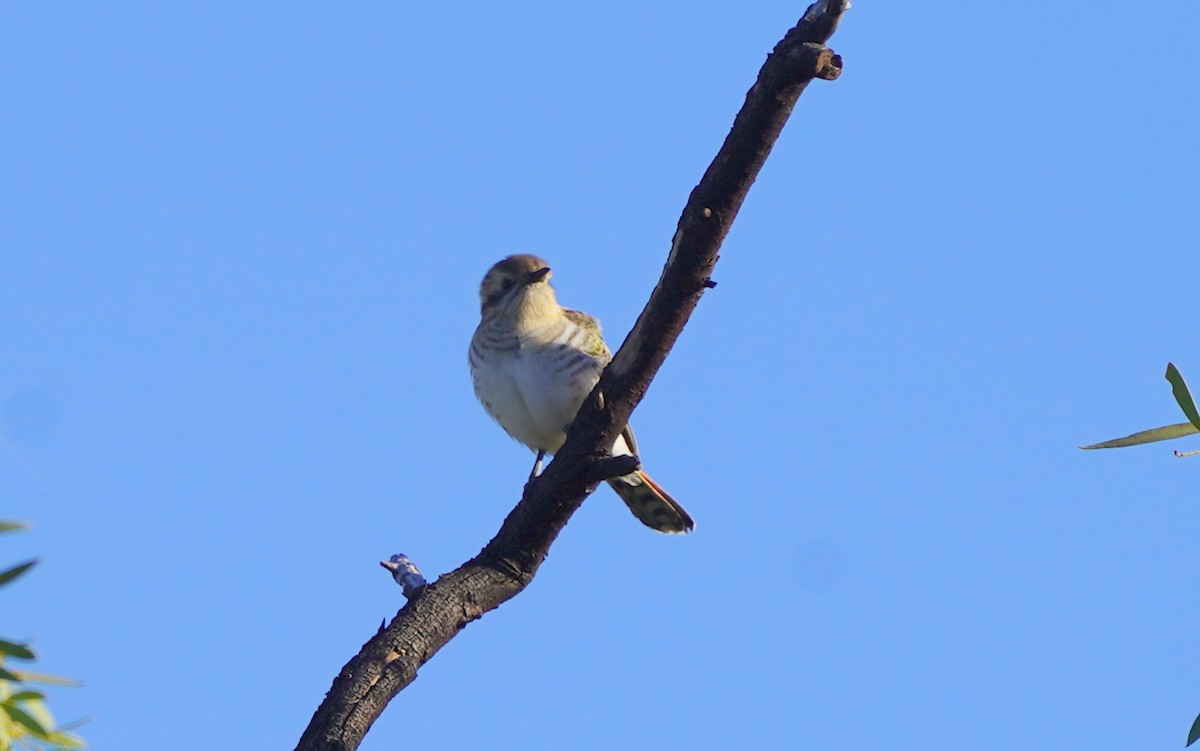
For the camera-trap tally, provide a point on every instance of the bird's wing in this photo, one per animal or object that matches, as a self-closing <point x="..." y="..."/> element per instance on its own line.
<point x="594" y="344"/>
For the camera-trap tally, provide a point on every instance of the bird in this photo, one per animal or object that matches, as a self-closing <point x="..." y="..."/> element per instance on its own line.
<point x="533" y="362"/>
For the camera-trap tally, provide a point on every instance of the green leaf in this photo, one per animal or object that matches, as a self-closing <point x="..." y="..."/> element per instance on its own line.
<point x="1164" y="433"/>
<point x="19" y="651"/>
<point x="1182" y="395"/>
<point x="7" y="676"/>
<point x="47" y="680"/>
<point x="25" y="696"/>
<point x="12" y="526"/>
<point x="23" y="718"/>
<point x="65" y="740"/>
<point x="1194" y="733"/>
<point x="16" y="571"/>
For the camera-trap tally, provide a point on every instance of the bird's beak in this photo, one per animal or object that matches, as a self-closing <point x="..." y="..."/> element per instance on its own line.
<point x="539" y="275"/>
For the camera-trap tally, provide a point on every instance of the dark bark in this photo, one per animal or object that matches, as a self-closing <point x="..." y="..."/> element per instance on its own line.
<point x="389" y="660"/>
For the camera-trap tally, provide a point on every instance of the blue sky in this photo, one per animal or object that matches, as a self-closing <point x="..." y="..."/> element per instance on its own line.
<point x="240" y="247"/>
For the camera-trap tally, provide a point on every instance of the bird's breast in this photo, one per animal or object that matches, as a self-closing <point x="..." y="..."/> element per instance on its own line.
<point x="535" y="388"/>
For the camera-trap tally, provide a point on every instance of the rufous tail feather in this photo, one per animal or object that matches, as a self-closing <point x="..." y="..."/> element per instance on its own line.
<point x="652" y="505"/>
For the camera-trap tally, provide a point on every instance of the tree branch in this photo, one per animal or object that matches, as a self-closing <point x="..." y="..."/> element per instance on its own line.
<point x="389" y="660"/>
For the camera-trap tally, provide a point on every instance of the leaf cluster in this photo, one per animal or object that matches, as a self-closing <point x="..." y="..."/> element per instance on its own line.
<point x="1185" y="400"/>
<point x="25" y="721"/>
<point x="1183" y="396"/>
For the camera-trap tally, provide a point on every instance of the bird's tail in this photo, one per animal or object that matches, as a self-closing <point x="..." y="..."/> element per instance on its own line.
<point x="652" y="505"/>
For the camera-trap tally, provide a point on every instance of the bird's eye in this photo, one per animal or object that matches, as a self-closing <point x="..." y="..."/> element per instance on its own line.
<point x="498" y="293"/>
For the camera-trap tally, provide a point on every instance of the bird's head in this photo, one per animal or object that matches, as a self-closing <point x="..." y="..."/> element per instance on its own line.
<point x="515" y="285"/>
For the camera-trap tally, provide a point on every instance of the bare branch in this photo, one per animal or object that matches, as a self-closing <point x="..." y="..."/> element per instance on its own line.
<point x="389" y="660"/>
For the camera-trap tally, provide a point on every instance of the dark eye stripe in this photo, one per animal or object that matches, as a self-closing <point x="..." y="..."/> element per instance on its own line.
<point x="499" y="294"/>
<point x="506" y="284"/>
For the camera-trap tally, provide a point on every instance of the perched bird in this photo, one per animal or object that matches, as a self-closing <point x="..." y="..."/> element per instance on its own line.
<point x="533" y="363"/>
